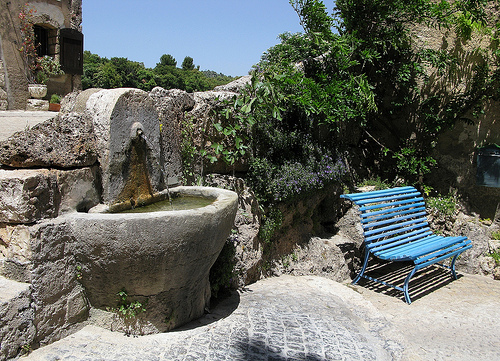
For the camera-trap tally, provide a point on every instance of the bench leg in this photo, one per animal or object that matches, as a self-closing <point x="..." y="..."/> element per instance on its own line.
<point x="452" y="267"/>
<point x="407" y="282"/>
<point x="360" y="274"/>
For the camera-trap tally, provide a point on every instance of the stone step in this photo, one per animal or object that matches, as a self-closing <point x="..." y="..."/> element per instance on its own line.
<point x="17" y="330"/>
<point x="11" y="289"/>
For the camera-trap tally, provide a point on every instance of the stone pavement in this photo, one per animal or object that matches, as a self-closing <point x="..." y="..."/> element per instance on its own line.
<point x="447" y="320"/>
<point x="286" y="318"/>
<point x="313" y="318"/>
<point x="12" y="121"/>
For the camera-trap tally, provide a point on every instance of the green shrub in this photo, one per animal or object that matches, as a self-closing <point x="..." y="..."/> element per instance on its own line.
<point x="222" y="272"/>
<point x="495" y="256"/>
<point x="375" y="182"/>
<point x="444" y="205"/>
<point x="55" y="99"/>
<point x="271" y="223"/>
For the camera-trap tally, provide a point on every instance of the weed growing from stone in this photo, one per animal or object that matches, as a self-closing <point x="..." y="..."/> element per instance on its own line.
<point x="127" y="308"/>
<point x="26" y="349"/>
<point x="496" y="256"/>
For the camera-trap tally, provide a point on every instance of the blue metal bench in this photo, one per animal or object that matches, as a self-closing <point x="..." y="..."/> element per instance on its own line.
<point x="395" y="228"/>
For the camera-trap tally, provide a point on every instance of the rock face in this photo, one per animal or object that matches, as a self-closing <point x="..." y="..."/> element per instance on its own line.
<point x="127" y="130"/>
<point x="16" y="318"/>
<point x="65" y="141"/>
<point x="246" y="242"/>
<point x="171" y="106"/>
<point x="235" y="86"/>
<point x="28" y="196"/>
<point x="59" y="300"/>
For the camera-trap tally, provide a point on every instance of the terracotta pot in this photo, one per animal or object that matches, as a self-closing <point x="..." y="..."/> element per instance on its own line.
<point x="37" y="91"/>
<point x="53" y="107"/>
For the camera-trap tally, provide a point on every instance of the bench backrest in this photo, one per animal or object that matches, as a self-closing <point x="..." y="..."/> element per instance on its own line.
<point x="391" y="217"/>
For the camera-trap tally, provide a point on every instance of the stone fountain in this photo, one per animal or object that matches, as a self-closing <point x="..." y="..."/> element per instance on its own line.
<point x="161" y="259"/>
<point x="65" y="250"/>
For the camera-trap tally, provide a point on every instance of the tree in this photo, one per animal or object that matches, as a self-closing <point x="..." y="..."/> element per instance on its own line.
<point x="167" y="60"/>
<point x="121" y="72"/>
<point x="187" y="63"/>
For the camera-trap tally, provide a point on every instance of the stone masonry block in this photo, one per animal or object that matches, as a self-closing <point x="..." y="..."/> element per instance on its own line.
<point x="16" y="318"/>
<point x="27" y="196"/>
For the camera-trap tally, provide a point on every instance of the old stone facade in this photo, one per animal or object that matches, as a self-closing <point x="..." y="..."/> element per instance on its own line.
<point x="58" y="29"/>
<point x="458" y="148"/>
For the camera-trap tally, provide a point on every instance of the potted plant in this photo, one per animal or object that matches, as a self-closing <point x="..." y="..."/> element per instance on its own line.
<point x="54" y="103"/>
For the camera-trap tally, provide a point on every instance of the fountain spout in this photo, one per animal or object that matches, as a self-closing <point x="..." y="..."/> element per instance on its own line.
<point x="136" y="131"/>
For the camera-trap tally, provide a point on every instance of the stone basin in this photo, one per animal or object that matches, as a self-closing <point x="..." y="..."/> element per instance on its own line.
<point x="161" y="259"/>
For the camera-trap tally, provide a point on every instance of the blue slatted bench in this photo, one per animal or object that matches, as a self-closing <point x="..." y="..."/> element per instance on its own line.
<point x="395" y="228"/>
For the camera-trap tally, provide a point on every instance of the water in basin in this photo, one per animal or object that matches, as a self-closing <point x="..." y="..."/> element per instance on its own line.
<point x="176" y="204"/>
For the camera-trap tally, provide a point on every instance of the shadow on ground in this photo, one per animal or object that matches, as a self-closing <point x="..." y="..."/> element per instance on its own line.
<point x="219" y="309"/>
<point x="422" y="283"/>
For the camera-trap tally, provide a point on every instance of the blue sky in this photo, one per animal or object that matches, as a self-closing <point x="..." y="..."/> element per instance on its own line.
<point x="227" y="36"/>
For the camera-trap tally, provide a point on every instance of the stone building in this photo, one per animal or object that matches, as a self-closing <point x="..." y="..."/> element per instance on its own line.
<point x="57" y="28"/>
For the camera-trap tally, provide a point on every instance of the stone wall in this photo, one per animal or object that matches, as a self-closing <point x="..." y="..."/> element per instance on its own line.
<point x="3" y="93"/>
<point x="456" y="152"/>
<point x="456" y="149"/>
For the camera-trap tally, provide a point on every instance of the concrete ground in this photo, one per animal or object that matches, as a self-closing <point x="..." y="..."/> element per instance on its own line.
<point x="12" y="121"/>
<point x="313" y="318"/>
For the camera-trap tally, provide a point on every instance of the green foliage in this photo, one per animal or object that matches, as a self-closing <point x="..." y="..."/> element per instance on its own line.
<point x="495" y="235"/>
<point x="190" y="155"/>
<point x="413" y="166"/>
<point x="127" y="308"/>
<point x="443" y="205"/>
<point x="398" y="68"/>
<point x="55" y="99"/>
<point x="375" y="182"/>
<point x="271" y="223"/>
<point x="188" y="63"/>
<point x="120" y="72"/>
<point x="275" y="183"/>
<point x="222" y="272"/>
<point x="232" y="127"/>
<point x="26" y="349"/>
<point x="167" y="60"/>
<point x="295" y="113"/>
<point x="496" y="256"/>
<point x="313" y="16"/>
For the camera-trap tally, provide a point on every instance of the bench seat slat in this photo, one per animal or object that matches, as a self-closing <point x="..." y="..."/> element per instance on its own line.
<point x="373" y="194"/>
<point x="397" y="217"/>
<point x="422" y="247"/>
<point x="398" y="226"/>
<point x="410" y="228"/>
<point x="459" y="242"/>
<point x="385" y="213"/>
<point x="467" y="245"/>
<point x="405" y="250"/>
<point x="369" y="204"/>
<point x="398" y="240"/>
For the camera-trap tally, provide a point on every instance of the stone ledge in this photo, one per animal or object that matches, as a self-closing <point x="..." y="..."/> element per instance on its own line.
<point x="27" y="196"/>
<point x="37" y="105"/>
